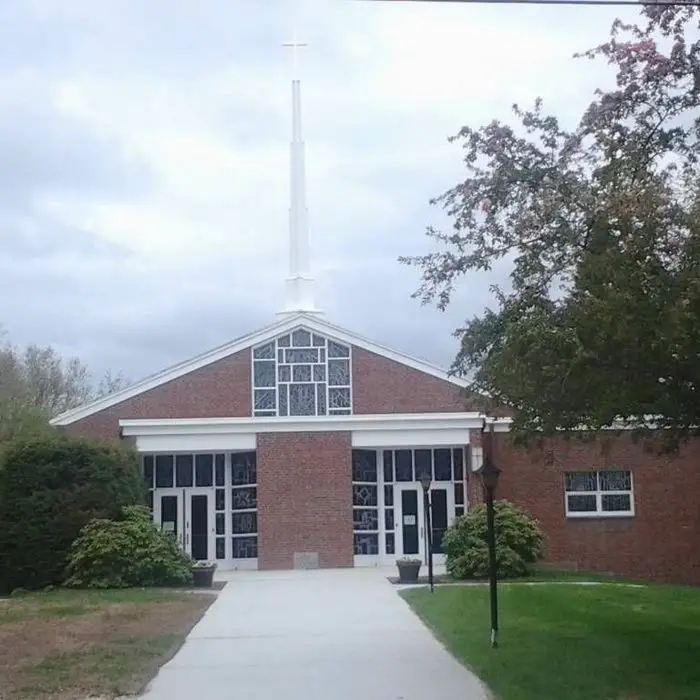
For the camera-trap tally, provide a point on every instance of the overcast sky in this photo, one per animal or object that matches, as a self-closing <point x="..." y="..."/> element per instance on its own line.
<point x="144" y="160"/>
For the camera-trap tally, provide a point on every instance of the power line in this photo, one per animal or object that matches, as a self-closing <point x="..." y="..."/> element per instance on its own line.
<point x="613" y="3"/>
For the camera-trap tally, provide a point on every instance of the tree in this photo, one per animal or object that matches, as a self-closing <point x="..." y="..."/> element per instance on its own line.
<point x="38" y="383"/>
<point x="601" y="224"/>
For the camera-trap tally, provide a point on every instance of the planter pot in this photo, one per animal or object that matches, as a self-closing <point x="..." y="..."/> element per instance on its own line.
<point x="203" y="577"/>
<point x="408" y="571"/>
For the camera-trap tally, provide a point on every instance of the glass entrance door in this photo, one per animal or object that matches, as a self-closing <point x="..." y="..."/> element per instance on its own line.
<point x="410" y="527"/>
<point x="188" y="514"/>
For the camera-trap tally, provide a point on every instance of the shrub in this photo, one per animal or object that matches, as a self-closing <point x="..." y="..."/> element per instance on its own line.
<point x="519" y="543"/>
<point x="49" y="489"/>
<point x="125" y="553"/>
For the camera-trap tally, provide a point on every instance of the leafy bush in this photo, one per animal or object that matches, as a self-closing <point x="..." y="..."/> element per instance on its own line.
<point x="50" y="487"/>
<point x="125" y="553"/>
<point x="519" y="543"/>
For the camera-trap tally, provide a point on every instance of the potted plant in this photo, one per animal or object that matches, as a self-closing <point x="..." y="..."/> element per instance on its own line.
<point x="203" y="574"/>
<point x="409" y="568"/>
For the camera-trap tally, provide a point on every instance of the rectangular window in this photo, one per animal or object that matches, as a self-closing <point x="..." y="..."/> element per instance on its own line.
<point x="606" y="493"/>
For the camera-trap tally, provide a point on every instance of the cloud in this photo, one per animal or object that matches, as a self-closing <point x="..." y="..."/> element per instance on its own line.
<point x="144" y="180"/>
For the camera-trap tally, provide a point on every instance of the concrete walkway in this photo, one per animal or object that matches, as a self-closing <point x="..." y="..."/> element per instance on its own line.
<point x="312" y="635"/>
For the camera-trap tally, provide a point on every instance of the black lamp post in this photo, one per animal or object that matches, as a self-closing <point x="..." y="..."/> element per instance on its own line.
<point x="489" y="474"/>
<point x="425" y="480"/>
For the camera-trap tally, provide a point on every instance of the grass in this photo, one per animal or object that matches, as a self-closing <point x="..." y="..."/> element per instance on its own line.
<point x="606" y="642"/>
<point x="73" y="644"/>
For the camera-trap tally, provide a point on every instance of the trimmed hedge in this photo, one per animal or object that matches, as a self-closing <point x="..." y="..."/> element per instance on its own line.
<point x="50" y="488"/>
<point x="519" y="543"/>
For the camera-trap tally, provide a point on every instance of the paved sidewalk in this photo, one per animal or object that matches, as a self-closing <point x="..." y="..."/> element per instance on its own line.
<point x="312" y="635"/>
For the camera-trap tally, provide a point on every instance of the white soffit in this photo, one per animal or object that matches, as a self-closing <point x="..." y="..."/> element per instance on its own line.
<point x="240" y="442"/>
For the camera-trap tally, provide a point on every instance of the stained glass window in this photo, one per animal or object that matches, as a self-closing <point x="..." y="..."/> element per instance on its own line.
<point x="301" y="374"/>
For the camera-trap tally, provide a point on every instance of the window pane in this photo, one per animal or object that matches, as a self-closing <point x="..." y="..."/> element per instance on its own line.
<point x="615" y="481"/>
<point x="616" y="502"/>
<point x="458" y="463"/>
<point x="220" y="499"/>
<point x="243" y="468"/>
<point x="148" y="470"/>
<point x="264" y="374"/>
<point x="265" y="352"/>
<point x="220" y="468"/>
<point x="302" y="356"/>
<point x="285" y="373"/>
<point x="339" y="398"/>
<point x="221" y="548"/>
<point x="389" y="542"/>
<point x="581" y="504"/>
<point x="389" y="518"/>
<point x="265" y="399"/>
<point x="301" y="373"/>
<point x="301" y="338"/>
<point x="404" y="465"/>
<point x="183" y="470"/>
<point x="321" y="399"/>
<point x="319" y="373"/>
<point x="285" y="341"/>
<point x="424" y="463"/>
<point x="459" y="511"/>
<point x="388" y="495"/>
<point x="302" y="399"/>
<point x="364" y="495"/>
<point x="337" y="350"/>
<point x="388" y="465"/>
<point x="245" y="498"/>
<point x="318" y="341"/>
<point x="366" y="543"/>
<point x="338" y="372"/>
<point x="245" y="547"/>
<point x="221" y="523"/>
<point x="244" y="523"/>
<point x="284" y="404"/>
<point x="459" y="493"/>
<point x="365" y="519"/>
<point x="443" y="465"/>
<point x="581" y="481"/>
<point x="364" y="465"/>
<point x="164" y="471"/>
<point x="204" y="470"/>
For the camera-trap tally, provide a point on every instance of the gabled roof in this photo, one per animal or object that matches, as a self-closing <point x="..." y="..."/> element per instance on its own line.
<point x="309" y="321"/>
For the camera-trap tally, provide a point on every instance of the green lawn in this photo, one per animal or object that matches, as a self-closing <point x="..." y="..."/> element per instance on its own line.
<point x="73" y="644"/>
<point x="569" y="642"/>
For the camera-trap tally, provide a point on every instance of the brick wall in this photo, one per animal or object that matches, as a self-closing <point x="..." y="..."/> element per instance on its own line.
<point x="221" y="389"/>
<point x="381" y="385"/>
<point x="304" y="498"/>
<point x="661" y="542"/>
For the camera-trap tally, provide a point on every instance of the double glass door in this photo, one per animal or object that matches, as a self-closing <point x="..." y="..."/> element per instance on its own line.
<point x="188" y="514"/>
<point x="412" y="538"/>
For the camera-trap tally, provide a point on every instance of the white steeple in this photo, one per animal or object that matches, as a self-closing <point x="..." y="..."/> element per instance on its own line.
<point x="299" y="284"/>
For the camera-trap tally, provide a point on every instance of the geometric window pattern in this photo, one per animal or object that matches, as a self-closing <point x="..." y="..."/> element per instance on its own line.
<point x="365" y="502"/>
<point x="602" y="493"/>
<point x="301" y="374"/>
<point x="244" y="505"/>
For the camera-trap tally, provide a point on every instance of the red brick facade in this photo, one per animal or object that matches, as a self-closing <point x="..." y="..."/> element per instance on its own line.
<point x="217" y="390"/>
<point x="304" y="498"/>
<point x="660" y="542"/>
<point x="381" y="385"/>
<point x="305" y="478"/>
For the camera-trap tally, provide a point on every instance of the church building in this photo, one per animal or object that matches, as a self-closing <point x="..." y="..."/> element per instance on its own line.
<point x="302" y="444"/>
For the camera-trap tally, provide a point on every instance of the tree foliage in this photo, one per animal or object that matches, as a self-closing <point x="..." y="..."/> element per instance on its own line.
<point x="37" y="383"/>
<point x="49" y="489"/>
<point x="519" y="543"/>
<point x="600" y="320"/>
<point x="125" y="553"/>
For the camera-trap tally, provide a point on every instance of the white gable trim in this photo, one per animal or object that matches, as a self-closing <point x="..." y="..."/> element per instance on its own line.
<point x="268" y="333"/>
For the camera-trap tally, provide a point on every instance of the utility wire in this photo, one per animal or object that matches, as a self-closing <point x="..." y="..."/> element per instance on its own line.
<point x="613" y="3"/>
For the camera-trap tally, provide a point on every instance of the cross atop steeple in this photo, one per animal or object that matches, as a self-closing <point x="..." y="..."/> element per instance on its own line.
<point x="299" y="283"/>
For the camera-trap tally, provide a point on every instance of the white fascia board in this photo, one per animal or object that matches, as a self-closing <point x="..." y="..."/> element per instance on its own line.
<point x="414" y="437"/>
<point x="261" y="336"/>
<point x="232" y="442"/>
<point x="404" y="422"/>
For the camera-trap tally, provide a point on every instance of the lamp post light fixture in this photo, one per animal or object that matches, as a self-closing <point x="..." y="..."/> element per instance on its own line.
<point x="425" y="481"/>
<point x="489" y="474"/>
